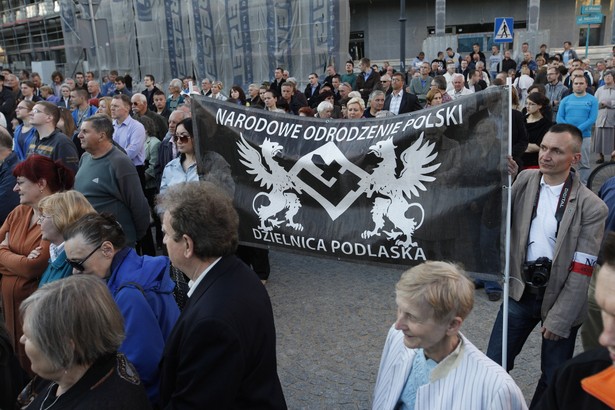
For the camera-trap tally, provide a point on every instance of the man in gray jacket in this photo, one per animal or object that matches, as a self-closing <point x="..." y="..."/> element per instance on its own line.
<point x="557" y="226"/>
<point x="555" y="89"/>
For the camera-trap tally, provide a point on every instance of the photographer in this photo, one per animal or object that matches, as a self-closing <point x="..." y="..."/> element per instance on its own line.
<point x="557" y="226"/>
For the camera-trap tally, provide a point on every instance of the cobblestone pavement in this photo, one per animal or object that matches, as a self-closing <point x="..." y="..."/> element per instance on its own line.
<point x="332" y="319"/>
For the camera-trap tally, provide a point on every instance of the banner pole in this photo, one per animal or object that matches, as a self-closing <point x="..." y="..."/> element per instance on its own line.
<point x="507" y="249"/>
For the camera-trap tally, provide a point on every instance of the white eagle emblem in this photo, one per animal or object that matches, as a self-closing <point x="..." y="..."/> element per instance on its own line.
<point x="276" y="178"/>
<point x="393" y="189"/>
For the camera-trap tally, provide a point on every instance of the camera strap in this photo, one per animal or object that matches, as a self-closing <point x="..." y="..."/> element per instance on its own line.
<point x="562" y="202"/>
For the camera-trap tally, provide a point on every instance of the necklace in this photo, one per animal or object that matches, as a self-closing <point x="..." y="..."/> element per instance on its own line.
<point x="47" y="396"/>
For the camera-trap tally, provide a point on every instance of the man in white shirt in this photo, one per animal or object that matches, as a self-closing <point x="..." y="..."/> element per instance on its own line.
<point x="450" y="72"/>
<point x="459" y="89"/>
<point x="399" y="101"/>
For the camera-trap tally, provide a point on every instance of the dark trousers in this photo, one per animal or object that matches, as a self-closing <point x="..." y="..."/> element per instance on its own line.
<point x="145" y="246"/>
<point x="523" y="316"/>
<point x="256" y="258"/>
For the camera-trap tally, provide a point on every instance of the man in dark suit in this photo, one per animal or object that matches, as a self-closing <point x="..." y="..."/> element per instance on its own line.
<point x="221" y="353"/>
<point x="312" y="90"/>
<point x="367" y="80"/>
<point x="399" y="101"/>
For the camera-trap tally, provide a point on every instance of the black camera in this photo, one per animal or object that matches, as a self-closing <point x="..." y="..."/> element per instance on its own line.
<point x="538" y="272"/>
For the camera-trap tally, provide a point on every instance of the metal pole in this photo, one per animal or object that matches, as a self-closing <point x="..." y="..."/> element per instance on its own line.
<point x="587" y="42"/>
<point x="508" y="220"/>
<point x="95" y="37"/>
<point x="402" y="38"/>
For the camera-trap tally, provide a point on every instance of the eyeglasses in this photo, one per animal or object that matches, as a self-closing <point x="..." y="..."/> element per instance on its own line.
<point x="43" y="217"/>
<point x="184" y="138"/>
<point x="384" y="82"/>
<point x="78" y="265"/>
<point x="36" y="111"/>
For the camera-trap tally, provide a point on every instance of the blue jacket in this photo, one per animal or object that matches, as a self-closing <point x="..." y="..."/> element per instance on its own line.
<point x="58" y="269"/>
<point x="91" y="110"/>
<point x="143" y="290"/>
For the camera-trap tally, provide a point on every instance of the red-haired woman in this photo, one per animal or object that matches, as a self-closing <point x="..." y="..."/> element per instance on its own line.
<point x="23" y="253"/>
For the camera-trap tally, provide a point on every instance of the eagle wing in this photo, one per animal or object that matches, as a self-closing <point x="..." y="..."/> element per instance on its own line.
<point x="416" y="160"/>
<point x="253" y="161"/>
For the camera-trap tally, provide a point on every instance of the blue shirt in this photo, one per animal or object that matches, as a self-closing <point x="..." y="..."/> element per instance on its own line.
<point x="131" y="136"/>
<point x="419" y="376"/>
<point x="581" y="112"/>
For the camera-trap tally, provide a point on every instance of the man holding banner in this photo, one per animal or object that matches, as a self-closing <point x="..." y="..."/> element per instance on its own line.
<point x="557" y="226"/>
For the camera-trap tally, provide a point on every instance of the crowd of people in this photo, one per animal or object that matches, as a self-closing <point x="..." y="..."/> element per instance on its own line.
<point x="88" y="167"/>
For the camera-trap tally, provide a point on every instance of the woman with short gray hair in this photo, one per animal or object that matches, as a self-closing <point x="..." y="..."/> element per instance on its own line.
<point x="72" y="331"/>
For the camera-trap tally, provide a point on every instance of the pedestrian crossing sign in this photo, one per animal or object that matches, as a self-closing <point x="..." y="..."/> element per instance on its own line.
<point x="503" y="30"/>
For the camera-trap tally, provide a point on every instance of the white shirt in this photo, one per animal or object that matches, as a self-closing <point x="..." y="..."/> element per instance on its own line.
<point x="395" y="102"/>
<point x="55" y="251"/>
<point x="544" y="226"/>
<point x="193" y="284"/>
<point x="449" y="82"/>
<point x="464" y="91"/>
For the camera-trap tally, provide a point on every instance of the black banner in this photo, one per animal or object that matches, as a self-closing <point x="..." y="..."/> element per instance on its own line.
<point x="400" y="189"/>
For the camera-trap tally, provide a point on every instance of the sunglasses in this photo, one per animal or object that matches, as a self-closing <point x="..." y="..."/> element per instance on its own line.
<point x="78" y="265"/>
<point x="184" y="138"/>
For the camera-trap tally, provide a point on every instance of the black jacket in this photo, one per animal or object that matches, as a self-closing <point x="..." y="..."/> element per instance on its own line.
<point x="221" y="353"/>
<point x="409" y="103"/>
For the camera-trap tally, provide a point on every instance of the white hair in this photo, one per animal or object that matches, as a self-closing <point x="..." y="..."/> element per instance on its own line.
<point x="323" y="106"/>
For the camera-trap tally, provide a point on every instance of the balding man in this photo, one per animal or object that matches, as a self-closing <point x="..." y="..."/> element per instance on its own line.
<point x="140" y="108"/>
<point x="109" y="180"/>
<point x="94" y="89"/>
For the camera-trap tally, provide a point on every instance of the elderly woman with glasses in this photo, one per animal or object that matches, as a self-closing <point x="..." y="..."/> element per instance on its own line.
<point x="72" y="330"/>
<point x="56" y="213"/>
<point x="141" y="286"/>
<point x="23" y="251"/>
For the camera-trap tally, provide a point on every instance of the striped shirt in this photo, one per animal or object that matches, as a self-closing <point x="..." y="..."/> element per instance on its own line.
<point x="466" y="379"/>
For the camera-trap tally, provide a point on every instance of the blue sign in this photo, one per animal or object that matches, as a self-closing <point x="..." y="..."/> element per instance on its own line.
<point x="591" y="9"/>
<point x="503" y="30"/>
<point x="591" y="19"/>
